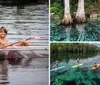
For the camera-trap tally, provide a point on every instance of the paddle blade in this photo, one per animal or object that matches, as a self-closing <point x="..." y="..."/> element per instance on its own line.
<point x="36" y="37"/>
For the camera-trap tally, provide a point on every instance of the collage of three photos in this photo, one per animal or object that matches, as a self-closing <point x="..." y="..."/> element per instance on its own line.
<point x="49" y="42"/>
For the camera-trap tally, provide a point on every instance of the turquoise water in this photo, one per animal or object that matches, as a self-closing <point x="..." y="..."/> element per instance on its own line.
<point x="89" y="31"/>
<point x="82" y="75"/>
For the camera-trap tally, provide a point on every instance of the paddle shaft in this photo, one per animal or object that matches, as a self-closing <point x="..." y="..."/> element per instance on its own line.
<point x="17" y="42"/>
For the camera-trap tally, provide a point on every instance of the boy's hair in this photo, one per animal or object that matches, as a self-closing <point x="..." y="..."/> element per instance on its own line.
<point x="3" y="28"/>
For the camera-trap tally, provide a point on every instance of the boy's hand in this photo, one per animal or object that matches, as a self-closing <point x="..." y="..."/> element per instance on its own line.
<point x="36" y="37"/>
<point x="24" y="40"/>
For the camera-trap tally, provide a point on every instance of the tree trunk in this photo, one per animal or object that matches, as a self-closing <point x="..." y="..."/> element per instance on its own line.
<point x="67" y="17"/>
<point x="80" y="15"/>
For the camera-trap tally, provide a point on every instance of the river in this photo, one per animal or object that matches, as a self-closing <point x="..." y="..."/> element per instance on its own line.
<point x="24" y="22"/>
<point x="82" y="75"/>
<point x="88" y="31"/>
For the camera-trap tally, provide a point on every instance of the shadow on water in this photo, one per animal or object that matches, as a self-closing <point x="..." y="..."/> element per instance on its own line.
<point x="82" y="75"/>
<point x="4" y="72"/>
<point x="78" y="32"/>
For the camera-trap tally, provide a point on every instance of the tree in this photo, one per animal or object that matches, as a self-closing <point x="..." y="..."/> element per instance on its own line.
<point x="67" y="19"/>
<point x="80" y="15"/>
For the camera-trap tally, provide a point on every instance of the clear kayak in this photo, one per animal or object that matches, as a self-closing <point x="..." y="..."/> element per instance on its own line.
<point x="56" y="69"/>
<point x="77" y="65"/>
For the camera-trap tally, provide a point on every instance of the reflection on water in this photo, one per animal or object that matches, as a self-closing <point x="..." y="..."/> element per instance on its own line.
<point x="4" y="72"/>
<point x="80" y="32"/>
<point x="82" y="75"/>
<point x="15" y="66"/>
<point x="23" y="22"/>
<point x="64" y="56"/>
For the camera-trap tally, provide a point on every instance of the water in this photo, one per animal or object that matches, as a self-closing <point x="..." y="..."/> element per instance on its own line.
<point x="82" y="75"/>
<point x="24" y="22"/>
<point x="17" y="70"/>
<point x="79" y="32"/>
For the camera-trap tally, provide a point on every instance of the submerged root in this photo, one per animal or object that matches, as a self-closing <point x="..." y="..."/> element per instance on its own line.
<point x="67" y="21"/>
<point x="80" y="19"/>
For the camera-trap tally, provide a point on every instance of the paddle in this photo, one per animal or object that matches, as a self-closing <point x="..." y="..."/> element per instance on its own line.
<point x="34" y="37"/>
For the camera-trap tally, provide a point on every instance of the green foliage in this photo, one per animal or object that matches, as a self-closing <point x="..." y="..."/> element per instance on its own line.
<point x="73" y="47"/>
<point x="57" y="9"/>
<point x="73" y="6"/>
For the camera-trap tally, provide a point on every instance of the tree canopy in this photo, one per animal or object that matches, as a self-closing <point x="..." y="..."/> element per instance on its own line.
<point x="73" y="47"/>
<point x="57" y="6"/>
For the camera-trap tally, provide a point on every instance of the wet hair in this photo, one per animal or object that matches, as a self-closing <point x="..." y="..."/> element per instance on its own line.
<point x="4" y="29"/>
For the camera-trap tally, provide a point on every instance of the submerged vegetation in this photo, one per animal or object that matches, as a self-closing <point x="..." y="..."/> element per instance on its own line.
<point x="79" y="32"/>
<point x="88" y="31"/>
<point x="76" y="77"/>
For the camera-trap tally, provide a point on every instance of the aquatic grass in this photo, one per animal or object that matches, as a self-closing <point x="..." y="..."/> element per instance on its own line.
<point x="77" y="76"/>
<point x="83" y="75"/>
<point x="77" y="32"/>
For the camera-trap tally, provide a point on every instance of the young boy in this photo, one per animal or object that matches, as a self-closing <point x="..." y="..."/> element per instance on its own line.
<point x="4" y="42"/>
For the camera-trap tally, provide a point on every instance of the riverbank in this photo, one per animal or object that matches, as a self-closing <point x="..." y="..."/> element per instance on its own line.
<point x="57" y="10"/>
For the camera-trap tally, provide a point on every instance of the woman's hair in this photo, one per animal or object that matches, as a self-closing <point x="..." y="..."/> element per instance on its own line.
<point x="3" y="28"/>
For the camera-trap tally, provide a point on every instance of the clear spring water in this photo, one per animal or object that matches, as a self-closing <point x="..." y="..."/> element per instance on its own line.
<point x="89" y="31"/>
<point x="82" y="75"/>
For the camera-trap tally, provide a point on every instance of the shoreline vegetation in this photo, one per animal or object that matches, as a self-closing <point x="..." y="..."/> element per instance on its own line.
<point x="73" y="47"/>
<point x="72" y="50"/>
<point x="75" y="12"/>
